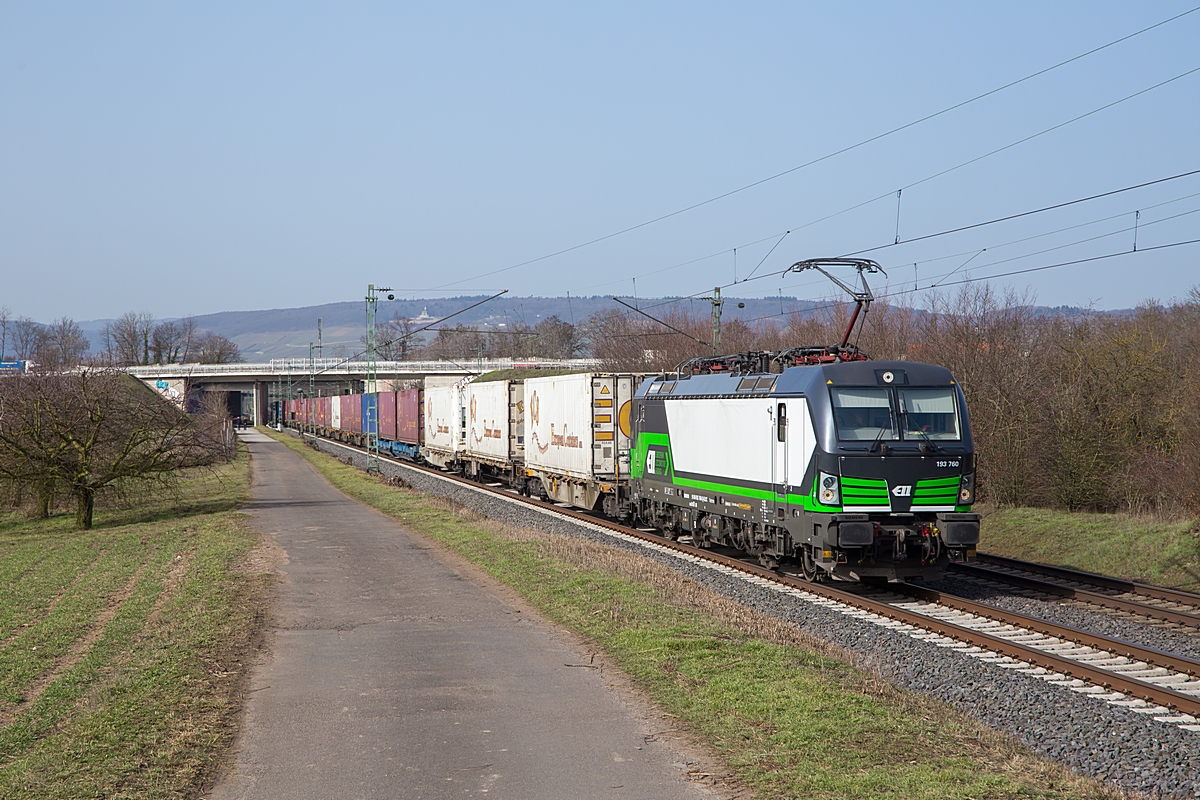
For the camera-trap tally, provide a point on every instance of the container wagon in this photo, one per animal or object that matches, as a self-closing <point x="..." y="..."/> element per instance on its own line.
<point x="576" y="450"/>
<point x="494" y="432"/>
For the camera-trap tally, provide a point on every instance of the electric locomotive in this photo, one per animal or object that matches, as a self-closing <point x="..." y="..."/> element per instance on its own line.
<point x="862" y="470"/>
<point x="855" y="469"/>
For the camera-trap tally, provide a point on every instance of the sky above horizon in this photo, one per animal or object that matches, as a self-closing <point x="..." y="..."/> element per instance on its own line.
<point x="193" y="159"/>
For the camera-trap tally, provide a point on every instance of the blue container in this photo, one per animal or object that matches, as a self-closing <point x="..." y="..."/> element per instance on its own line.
<point x="370" y="414"/>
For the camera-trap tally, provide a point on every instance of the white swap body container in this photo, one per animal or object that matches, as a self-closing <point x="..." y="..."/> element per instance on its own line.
<point x="495" y="427"/>
<point x="443" y="423"/>
<point x="573" y="424"/>
<point x="335" y="412"/>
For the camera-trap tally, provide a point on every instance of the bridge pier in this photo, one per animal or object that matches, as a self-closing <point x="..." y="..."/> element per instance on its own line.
<point x="260" y="403"/>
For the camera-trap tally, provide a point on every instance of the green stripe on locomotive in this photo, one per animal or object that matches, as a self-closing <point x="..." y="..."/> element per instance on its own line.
<point x="855" y="492"/>
<point x="637" y="469"/>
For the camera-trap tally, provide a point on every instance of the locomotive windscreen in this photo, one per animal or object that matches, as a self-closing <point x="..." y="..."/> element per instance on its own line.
<point x="930" y="412"/>
<point x="871" y="413"/>
<point x="864" y="414"/>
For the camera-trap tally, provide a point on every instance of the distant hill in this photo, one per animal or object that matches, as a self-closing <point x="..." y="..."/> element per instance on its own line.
<point x="286" y="332"/>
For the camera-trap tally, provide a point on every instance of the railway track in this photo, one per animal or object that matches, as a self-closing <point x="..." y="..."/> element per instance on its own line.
<point x="1142" y="679"/>
<point x="1153" y="602"/>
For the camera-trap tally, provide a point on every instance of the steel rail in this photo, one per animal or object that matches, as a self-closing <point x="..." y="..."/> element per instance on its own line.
<point x="1104" y="581"/>
<point x="1083" y="595"/>
<point x="1120" y="647"/>
<point x="1132" y="687"/>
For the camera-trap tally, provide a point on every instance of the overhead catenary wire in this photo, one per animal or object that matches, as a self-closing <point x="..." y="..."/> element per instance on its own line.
<point x="988" y="154"/>
<point x="985" y="278"/>
<point x="1043" y="235"/>
<point x="978" y="279"/>
<point x="660" y="322"/>
<point x="960" y="266"/>
<point x="410" y="334"/>
<point x="993" y="221"/>
<point x="827" y="156"/>
<point x="939" y="279"/>
<point x="1058" y="265"/>
<point x="768" y="255"/>
<point x="1010" y="217"/>
<point x="947" y="232"/>
<point x="1075" y="243"/>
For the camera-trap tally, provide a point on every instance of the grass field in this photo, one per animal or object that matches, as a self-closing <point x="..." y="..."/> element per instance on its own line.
<point x="121" y="648"/>
<point x="1146" y="549"/>
<point x="789" y="716"/>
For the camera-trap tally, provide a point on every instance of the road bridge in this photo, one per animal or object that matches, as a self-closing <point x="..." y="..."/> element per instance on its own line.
<point x="258" y="384"/>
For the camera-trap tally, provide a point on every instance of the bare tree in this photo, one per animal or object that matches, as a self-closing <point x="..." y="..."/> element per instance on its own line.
<point x="5" y="319"/>
<point x="213" y="348"/>
<point x="459" y="342"/>
<point x="393" y="339"/>
<point x="171" y="342"/>
<point x="557" y="338"/>
<point x="95" y="431"/>
<point x="187" y="332"/>
<point x="27" y="338"/>
<point x="514" y="340"/>
<point x="625" y="341"/>
<point x="129" y="338"/>
<point x="63" y="345"/>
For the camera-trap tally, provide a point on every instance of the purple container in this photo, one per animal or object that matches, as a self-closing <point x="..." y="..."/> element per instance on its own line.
<point x="410" y="416"/>
<point x="387" y="416"/>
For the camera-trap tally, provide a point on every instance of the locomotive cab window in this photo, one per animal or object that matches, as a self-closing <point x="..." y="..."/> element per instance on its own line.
<point x="929" y="413"/>
<point x="864" y="414"/>
<point x="781" y="423"/>
<point x="915" y="414"/>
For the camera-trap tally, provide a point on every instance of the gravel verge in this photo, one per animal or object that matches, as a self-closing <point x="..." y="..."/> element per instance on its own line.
<point x="1129" y="750"/>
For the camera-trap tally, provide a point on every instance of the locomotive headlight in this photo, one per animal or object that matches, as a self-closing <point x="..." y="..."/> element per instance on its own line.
<point x="966" y="489"/>
<point x="828" y="491"/>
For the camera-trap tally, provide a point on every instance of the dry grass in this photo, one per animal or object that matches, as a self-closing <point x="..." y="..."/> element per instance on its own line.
<point x="147" y="628"/>
<point x="1159" y="550"/>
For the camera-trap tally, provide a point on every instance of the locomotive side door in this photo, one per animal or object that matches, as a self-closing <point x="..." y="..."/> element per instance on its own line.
<point x="779" y="459"/>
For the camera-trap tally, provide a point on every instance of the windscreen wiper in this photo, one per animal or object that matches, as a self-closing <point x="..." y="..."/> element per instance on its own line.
<point x="879" y="435"/>
<point x="932" y="446"/>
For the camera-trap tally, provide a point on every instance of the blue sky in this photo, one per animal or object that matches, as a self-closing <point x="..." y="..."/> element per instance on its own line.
<point x="186" y="159"/>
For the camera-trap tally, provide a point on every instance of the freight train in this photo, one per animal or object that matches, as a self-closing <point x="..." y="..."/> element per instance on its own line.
<point x="816" y="456"/>
<point x="861" y="470"/>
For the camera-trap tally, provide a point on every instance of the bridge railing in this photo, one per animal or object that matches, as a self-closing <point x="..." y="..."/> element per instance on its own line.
<point x="333" y="366"/>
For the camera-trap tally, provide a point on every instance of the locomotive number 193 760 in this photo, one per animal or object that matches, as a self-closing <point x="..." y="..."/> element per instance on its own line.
<point x="948" y="464"/>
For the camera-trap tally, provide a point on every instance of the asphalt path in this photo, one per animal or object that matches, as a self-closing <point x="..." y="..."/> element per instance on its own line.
<point x="392" y="671"/>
